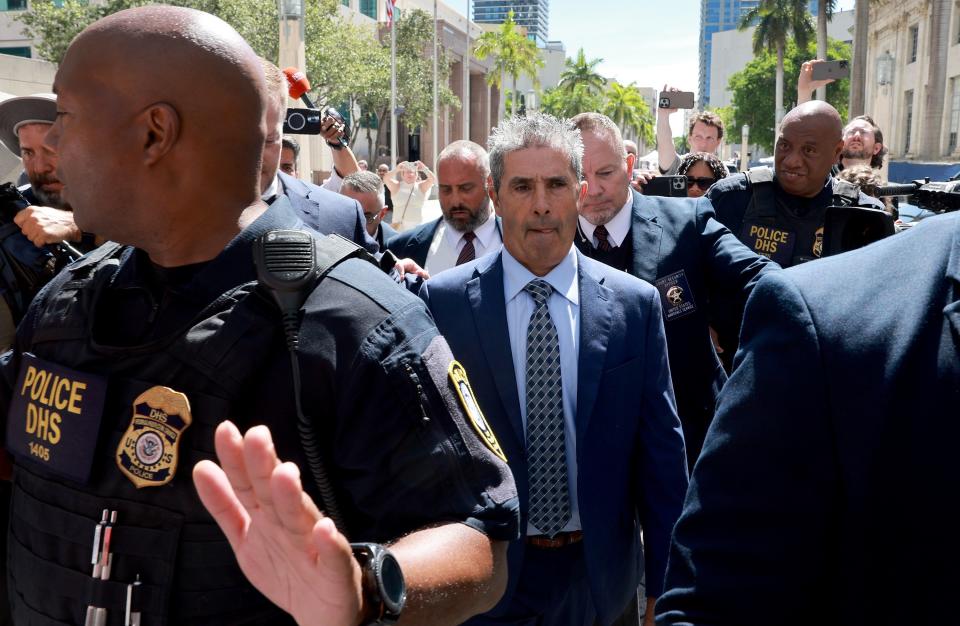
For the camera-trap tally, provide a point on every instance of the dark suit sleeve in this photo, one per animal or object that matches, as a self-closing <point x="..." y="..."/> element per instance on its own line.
<point x="751" y="545"/>
<point x="662" y="458"/>
<point x="732" y="269"/>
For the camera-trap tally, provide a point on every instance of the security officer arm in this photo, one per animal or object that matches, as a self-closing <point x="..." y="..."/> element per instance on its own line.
<point x="732" y="269"/>
<point x="44" y="225"/>
<point x="296" y="557"/>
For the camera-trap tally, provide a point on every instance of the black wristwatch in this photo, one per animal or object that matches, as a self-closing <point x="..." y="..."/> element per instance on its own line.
<point x="383" y="587"/>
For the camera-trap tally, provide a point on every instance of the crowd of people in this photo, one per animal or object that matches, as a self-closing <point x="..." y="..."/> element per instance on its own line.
<point x="257" y="400"/>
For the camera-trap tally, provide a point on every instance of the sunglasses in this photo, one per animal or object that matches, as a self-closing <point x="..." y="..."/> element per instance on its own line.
<point x="702" y="182"/>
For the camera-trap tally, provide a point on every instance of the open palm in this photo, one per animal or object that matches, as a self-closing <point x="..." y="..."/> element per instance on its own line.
<point x="285" y="547"/>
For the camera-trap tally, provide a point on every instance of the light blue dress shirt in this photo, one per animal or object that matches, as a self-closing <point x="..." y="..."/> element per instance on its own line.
<point x="564" y="306"/>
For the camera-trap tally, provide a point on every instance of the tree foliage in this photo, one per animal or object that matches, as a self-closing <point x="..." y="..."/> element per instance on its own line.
<point x="513" y="54"/>
<point x="627" y="108"/>
<point x="580" y="72"/>
<point x="753" y="89"/>
<point x="54" y="27"/>
<point x="348" y="64"/>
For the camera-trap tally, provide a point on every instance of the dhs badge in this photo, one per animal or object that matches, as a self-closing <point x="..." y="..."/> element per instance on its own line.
<point x="148" y="451"/>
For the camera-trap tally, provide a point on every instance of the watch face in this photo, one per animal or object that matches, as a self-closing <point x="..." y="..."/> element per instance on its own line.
<point x="394" y="589"/>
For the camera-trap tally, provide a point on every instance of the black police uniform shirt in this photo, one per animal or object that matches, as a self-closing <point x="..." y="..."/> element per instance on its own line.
<point x="731" y="197"/>
<point x="404" y="444"/>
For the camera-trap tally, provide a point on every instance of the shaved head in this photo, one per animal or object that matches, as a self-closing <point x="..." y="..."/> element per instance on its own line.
<point x="810" y="142"/>
<point x="154" y="103"/>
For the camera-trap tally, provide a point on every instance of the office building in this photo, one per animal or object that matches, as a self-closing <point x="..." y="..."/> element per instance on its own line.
<point x="534" y="15"/>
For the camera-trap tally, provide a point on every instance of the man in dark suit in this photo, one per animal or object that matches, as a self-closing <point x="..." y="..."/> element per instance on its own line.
<point x="823" y="495"/>
<point x="676" y="244"/>
<point x="468" y="229"/>
<point x="568" y="361"/>
<point x="324" y="211"/>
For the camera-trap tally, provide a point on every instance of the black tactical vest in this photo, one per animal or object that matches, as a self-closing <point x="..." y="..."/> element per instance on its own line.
<point x="163" y="533"/>
<point x="772" y="230"/>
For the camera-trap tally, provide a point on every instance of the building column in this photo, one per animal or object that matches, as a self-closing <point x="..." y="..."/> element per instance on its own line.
<point x="479" y="109"/>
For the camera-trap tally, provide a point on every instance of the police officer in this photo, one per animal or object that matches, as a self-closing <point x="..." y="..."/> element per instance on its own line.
<point x="128" y="362"/>
<point x="780" y="214"/>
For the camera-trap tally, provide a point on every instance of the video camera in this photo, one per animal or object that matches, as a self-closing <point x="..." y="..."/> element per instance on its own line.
<point x="310" y="121"/>
<point x="938" y="197"/>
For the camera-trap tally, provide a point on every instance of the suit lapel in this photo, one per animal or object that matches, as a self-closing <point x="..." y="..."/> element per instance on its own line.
<point x="646" y="240"/>
<point x="298" y="199"/>
<point x="595" y="322"/>
<point x="485" y="294"/>
<point x="952" y="310"/>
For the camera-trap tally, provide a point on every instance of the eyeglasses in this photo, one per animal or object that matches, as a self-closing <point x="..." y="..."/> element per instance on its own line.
<point x="702" y="182"/>
<point x="371" y="219"/>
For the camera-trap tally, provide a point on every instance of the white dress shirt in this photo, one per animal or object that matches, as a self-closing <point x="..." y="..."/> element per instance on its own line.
<point x="617" y="228"/>
<point x="564" y="307"/>
<point x="448" y="242"/>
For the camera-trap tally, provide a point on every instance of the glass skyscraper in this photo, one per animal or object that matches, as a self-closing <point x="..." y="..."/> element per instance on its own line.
<point x="716" y="16"/>
<point x="531" y="14"/>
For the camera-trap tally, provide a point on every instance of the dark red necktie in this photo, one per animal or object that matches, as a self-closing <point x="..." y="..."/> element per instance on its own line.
<point x="603" y="243"/>
<point x="468" y="253"/>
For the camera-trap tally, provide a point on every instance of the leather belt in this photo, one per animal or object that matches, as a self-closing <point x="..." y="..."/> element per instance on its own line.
<point x="557" y="541"/>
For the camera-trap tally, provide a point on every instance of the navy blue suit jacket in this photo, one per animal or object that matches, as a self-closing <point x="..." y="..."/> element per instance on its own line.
<point x="415" y="243"/>
<point x="630" y="458"/>
<point x="327" y="212"/>
<point x="826" y="490"/>
<point x="680" y="237"/>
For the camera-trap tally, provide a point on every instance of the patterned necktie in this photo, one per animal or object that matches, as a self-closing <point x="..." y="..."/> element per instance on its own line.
<point x="603" y="243"/>
<point x="468" y="253"/>
<point x="546" y="452"/>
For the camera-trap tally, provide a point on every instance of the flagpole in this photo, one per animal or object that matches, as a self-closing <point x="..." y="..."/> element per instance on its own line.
<point x="466" y="81"/>
<point x="393" y="89"/>
<point x="436" y="93"/>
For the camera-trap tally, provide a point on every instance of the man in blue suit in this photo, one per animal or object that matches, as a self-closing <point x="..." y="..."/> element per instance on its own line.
<point x="467" y="229"/>
<point x="567" y="358"/>
<point x="824" y="492"/>
<point x="678" y="246"/>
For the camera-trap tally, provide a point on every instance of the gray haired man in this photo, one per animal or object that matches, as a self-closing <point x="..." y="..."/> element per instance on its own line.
<point x="367" y="188"/>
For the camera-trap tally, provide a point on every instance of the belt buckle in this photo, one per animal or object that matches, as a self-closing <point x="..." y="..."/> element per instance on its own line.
<point x="558" y="541"/>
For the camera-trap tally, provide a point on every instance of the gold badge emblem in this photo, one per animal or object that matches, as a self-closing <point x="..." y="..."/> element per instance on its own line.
<point x="675" y="295"/>
<point x="458" y="376"/>
<point x="818" y="243"/>
<point x="148" y="450"/>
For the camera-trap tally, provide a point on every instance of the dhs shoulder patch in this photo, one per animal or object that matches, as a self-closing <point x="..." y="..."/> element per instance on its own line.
<point x="458" y="376"/>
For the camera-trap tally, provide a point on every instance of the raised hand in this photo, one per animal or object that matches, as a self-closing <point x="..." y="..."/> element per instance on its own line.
<point x="286" y="548"/>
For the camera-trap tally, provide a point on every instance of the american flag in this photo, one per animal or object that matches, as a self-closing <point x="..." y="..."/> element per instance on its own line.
<point x="390" y="13"/>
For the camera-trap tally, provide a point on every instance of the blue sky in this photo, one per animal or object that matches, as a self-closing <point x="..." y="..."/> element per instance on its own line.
<point x="649" y="42"/>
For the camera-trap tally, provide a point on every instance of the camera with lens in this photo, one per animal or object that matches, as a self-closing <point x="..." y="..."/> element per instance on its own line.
<point x="301" y="121"/>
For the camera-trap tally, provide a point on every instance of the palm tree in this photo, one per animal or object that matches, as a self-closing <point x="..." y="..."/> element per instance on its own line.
<point x="514" y="55"/>
<point x="775" y="21"/>
<point x="858" y="73"/>
<point x="627" y="108"/>
<point x="825" y="10"/>
<point x="582" y="72"/>
<point x="936" y="78"/>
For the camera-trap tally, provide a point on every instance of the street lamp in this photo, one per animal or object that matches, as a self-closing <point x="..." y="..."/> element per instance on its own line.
<point x="291" y="9"/>
<point x="885" y="68"/>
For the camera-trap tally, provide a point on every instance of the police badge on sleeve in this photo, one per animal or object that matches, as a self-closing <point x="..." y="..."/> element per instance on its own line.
<point x="458" y="376"/>
<point x="148" y="451"/>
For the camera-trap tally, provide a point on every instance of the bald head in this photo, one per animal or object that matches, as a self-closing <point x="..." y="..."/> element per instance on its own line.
<point x="157" y="102"/>
<point x="810" y="142"/>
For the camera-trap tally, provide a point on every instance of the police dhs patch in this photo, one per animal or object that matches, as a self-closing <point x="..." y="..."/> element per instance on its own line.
<point x="148" y="451"/>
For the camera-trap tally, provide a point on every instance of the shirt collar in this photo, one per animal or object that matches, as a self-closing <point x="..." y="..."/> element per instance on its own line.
<point x="272" y="190"/>
<point x="563" y="278"/>
<point x="617" y="228"/>
<point x="484" y="232"/>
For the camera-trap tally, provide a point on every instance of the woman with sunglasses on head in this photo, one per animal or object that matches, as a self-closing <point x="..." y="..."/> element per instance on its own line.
<point x="702" y="170"/>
